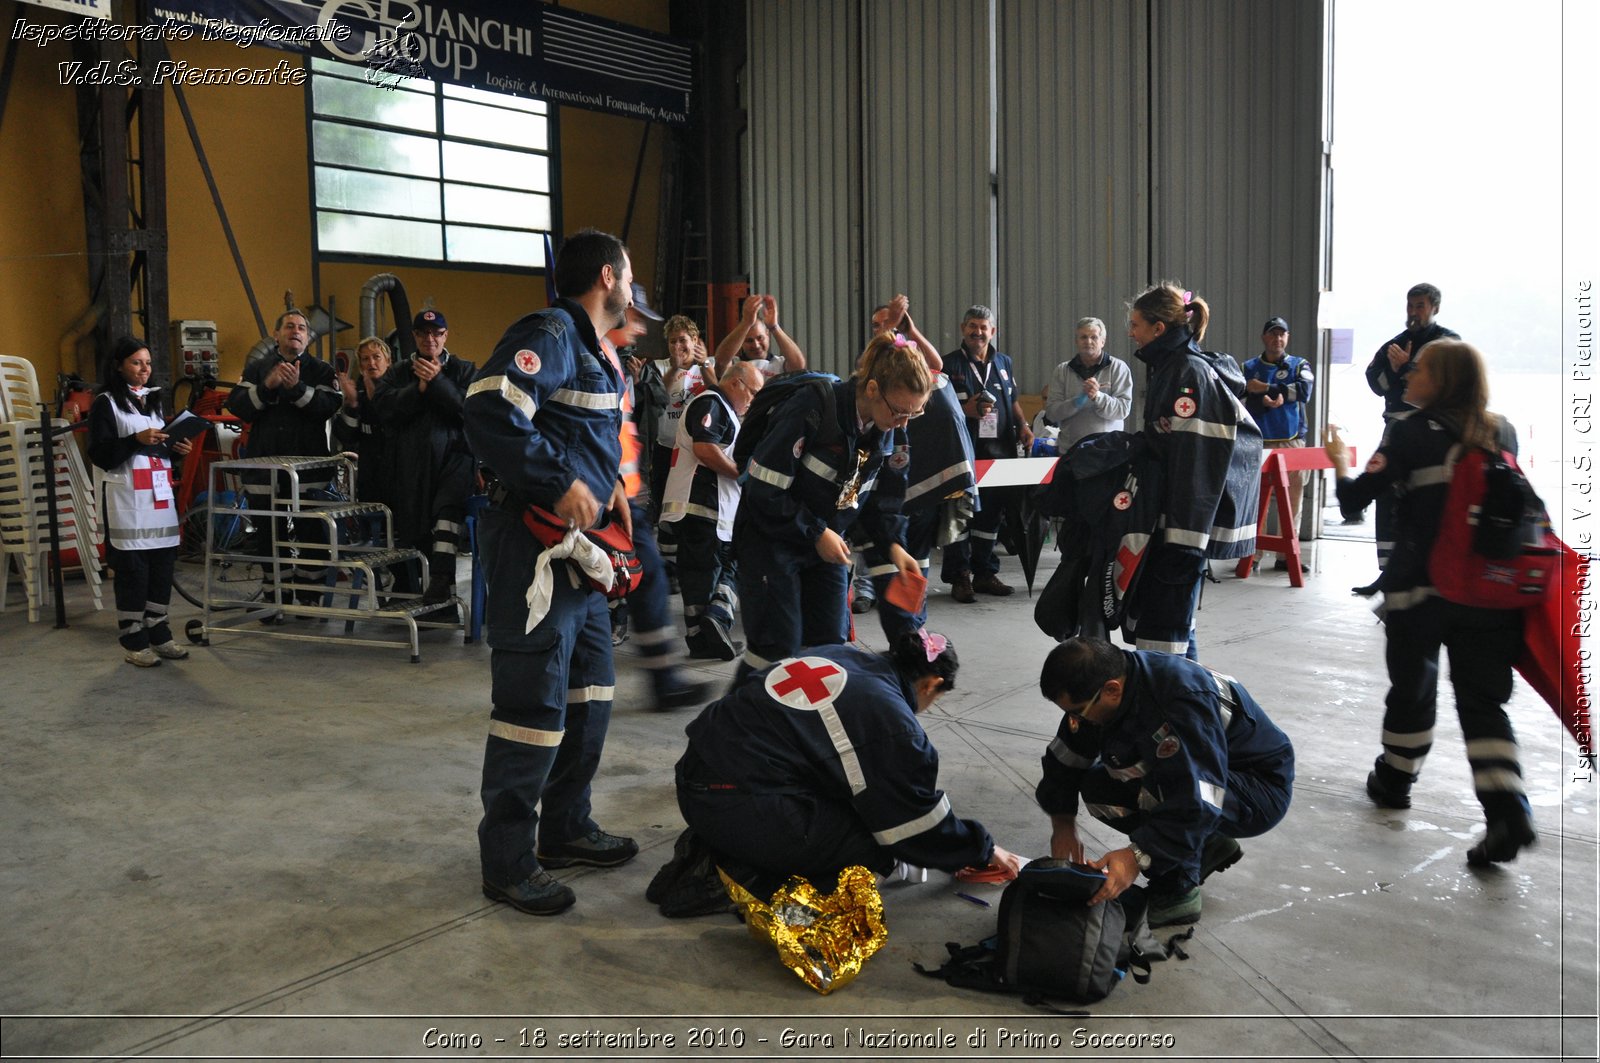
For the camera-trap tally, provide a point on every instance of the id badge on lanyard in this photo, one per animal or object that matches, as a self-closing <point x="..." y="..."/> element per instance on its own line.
<point x="989" y="423"/>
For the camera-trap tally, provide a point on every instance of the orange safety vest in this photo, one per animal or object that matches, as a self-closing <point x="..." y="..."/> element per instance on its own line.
<point x="629" y="436"/>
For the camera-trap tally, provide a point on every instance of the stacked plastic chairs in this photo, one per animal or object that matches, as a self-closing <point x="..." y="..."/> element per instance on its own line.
<point x="25" y="484"/>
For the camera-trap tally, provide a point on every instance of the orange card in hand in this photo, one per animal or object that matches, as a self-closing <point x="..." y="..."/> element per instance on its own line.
<point x="987" y="873"/>
<point x="907" y="591"/>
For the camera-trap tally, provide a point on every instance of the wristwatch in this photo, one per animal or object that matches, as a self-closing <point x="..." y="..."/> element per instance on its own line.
<point x="1140" y="857"/>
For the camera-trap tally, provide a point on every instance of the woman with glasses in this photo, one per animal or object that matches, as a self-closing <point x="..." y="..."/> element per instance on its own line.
<point x="829" y="456"/>
<point x="1179" y="758"/>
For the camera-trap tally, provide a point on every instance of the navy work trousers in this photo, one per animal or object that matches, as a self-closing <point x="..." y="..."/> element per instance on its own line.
<point x="552" y="690"/>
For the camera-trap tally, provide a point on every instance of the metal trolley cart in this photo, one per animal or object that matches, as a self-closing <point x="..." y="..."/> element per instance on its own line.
<point x="239" y="578"/>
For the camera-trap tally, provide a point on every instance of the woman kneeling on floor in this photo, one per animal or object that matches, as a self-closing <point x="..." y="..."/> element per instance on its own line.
<point x="818" y="763"/>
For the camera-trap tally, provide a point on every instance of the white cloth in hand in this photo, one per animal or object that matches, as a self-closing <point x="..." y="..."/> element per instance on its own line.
<point x="584" y="554"/>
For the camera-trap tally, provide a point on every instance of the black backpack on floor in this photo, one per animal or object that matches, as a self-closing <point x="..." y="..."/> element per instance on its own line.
<point x="1051" y="944"/>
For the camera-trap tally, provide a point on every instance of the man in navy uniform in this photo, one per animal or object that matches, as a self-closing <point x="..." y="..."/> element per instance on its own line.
<point x="986" y="386"/>
<point x="1179" y="758"/>
<point x="1386" y="376"/>
<point x="544" y="417"/>
<point x="288" y="397"/>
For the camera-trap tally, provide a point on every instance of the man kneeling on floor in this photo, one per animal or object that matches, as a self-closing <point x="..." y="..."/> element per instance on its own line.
<point x="1179" y="758"/>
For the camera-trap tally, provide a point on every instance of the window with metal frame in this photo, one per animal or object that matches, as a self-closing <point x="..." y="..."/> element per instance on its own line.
<point x="406" y="168"/>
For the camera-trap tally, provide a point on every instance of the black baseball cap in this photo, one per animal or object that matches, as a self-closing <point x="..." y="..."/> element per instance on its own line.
<point x="1274" y="322"/>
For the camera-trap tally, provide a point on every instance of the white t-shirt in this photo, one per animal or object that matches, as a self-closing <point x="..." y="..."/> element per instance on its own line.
<point x="682" y="392"/>
<point x="774" y="366"/>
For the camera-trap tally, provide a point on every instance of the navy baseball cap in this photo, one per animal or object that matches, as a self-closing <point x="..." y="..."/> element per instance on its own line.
<point x="428" y="321"/>
<point x="641" y="304"/>
<point x="1274" y="322"/>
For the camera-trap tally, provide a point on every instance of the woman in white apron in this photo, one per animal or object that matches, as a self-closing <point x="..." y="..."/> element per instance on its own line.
<point x="134" y="467"/>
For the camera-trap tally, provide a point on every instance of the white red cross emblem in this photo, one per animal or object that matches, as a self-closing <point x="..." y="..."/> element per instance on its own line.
<point x="527" y="361"/>
<point x="805" y="682"/>
<point x="1123" y="500"/>
<point x="156" y="480"/>
<point x="1184" y="407"/>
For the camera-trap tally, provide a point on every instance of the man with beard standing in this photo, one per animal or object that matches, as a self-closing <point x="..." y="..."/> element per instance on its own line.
<point x="1386" y="376"/>
<point x="544" y="417"/>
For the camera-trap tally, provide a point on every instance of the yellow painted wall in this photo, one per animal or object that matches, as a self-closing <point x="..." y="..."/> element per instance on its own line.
<point x="255" y="141"/>
<point x="44" y="280"/>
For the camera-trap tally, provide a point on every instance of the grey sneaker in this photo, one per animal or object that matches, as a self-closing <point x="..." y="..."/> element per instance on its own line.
<point x="171" y="651"/>
<point x="538" y="894"/>
<point x="145" y="658"/>
<point x="595" y="849"/>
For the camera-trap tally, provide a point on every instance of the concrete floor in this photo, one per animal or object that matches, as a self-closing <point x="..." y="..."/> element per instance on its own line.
<point x="269" y="851"/>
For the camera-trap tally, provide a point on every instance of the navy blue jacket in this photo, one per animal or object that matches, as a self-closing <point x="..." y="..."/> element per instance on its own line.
<point x="429" y="461"/>
<point x="792" y="488"/>
<point x="1413" y="464"/>
<point x="839" y="723"/>
<point x="941" y="450"/>
<point x="287" y="421"/>
<point x="1181" y="730"/>
<point x="1389" y="382"/>
<point x="545" y="409"/>
<point x="1208" y="443"/>
<point x="999" y="378"/>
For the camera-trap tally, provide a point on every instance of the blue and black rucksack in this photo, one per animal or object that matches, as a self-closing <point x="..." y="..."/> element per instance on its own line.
<point x="823" y="426"/>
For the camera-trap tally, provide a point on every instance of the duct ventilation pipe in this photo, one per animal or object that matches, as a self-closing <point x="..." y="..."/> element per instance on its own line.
<point x="388" y="283"/>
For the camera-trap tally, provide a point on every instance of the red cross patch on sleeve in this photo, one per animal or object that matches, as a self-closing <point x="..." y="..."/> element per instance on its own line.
<point x="805" y="682"/>
<point x="527" y="361"/>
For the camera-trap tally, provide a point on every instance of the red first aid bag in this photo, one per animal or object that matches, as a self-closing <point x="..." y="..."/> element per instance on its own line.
<point x="616" y="543"/>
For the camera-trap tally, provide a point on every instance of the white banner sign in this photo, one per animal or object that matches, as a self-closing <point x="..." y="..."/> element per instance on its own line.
<point x="97" y="8"/>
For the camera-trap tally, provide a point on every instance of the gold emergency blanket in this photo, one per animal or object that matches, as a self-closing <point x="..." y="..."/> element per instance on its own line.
<point x="824" y="940"/>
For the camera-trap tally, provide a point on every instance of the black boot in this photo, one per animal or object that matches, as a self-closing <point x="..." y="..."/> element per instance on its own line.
<point x="441" y="579"/>
<point x="1504" y="839"/>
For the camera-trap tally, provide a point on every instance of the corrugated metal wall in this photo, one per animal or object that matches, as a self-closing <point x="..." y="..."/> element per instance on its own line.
<point x="872" y="144"/>
<point x="804" y="239"/>
<point x="1236" y="203"/>
<point x="928" y="161"/>
<point x="1073" y="212"/>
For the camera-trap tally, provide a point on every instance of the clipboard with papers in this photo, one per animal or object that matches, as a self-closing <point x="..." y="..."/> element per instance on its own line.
<point x="185" y="426"/>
